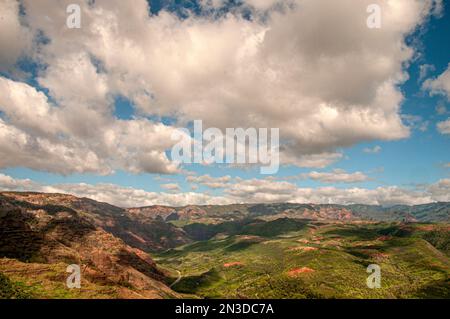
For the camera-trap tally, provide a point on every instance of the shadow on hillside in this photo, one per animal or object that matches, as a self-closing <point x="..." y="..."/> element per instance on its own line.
<point x="49" y="208"/>
<point x="17" y="239"/>
<point x="435" y="290"/>
<point x="23" y="235"/>
<point x="193" y="284"/>
<point x="130" y="259"/>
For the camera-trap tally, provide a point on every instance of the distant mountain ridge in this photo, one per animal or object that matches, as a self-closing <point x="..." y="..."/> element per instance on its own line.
<point x="433" y="212"/>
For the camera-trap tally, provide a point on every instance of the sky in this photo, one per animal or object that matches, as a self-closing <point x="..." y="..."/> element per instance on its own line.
<point x="363" y="113"/>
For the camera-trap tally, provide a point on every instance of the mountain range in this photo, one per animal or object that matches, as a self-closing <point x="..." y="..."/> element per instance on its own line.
<point x="43" y="233"/>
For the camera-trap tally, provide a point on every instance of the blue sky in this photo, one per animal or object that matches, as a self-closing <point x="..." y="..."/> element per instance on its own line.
<point x="406" y="163"/>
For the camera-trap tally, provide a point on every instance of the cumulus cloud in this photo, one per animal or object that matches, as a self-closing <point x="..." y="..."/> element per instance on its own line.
<point x="9" y="183"/>
<point x="374" y="150"/>
<point x="211" y="182"/>
<point x="113" y="194"/>
<point x="172" y="187"/>
<point x="320" y="160"/>
<point x="256" y="6"/>
<point x="337" y="176"/>
<point x="130" y="197"/>
<point x="264" y="4"/>
<point x="243" y="191"/>
<point x="14" y="36"/>
<point x="261" y="191"/>
<point x="415" y="122"/>
<point x="440" y="191"/>
<point x="424" y="70"/>
<point x="76" y="136"/>
<point x="266" y="191"/>
<point x="284" y="71"/>
<point x="444" y="127"/>
<point x="439" y="85"/>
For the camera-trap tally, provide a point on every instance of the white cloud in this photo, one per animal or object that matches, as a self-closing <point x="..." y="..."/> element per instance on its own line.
<point x="257" y="6"/>
<point x="77" y="136"/>
<point x="173" y="187"/>
<point x="244" y="191"/>
<point x="415" y="122"/>
<point x="320" y="160"/>
<point x="130" y="197"/>
<point x="337" y="176"/>
<point x="284" y="71"/>
<point x="440" y="191"/>
<point x="378" y="196"/>
<point x="261" y="191"/>
<point x="14" y="36"/>
<point x="9" y="183"/>
<point x="211" y="182"/>
<point x="113" y="194"/>
<point x="264" y="4"/>
<point x="444" y="127"/>
<point x="439" y="85"/>
<point x="266" y="191"/>
<point x="424" y="70"/>
<point x="374" y="150"/>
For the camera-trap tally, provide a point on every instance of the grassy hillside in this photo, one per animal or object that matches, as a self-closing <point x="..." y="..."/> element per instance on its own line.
<point x="257" y="227"/>
<point x="319" y="261"/>
<point x="13" y="290"/>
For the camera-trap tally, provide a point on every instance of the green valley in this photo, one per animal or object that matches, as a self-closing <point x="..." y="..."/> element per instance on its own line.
<point x="320" y="260"/>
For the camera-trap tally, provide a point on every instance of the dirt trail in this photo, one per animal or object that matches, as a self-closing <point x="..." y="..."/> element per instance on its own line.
<point x="178" y="279"/>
